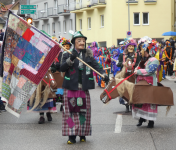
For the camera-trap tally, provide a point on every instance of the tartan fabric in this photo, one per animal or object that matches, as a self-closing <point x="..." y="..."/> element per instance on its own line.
<point x="81" y="130"/>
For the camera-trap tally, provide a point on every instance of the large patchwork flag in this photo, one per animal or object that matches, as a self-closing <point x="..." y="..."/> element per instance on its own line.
<point x="28" y="54"/>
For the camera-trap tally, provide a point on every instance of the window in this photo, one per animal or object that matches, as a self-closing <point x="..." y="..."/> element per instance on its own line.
<point x="80" y="24"/>
<point x="136" y="18"/>
<point x="53" y="28"/>
<point x="102" y="20"/>
<point x="65" y="26"/>
<point x="71" y="24"/>
<point x="59" y="27"/>
<point x="48" y="28"/>
<point x="89" y="23"/>
<point x="55" y="3"/>
<point x="46" y="6"/>
<point x="43" y="27"/>
<point x="145" y="18"/>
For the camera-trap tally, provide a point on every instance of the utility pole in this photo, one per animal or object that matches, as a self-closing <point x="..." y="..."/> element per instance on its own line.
<point x="128" y="16"/>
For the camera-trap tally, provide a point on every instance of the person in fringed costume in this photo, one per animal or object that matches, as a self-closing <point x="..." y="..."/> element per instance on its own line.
<point x="130" y="53"/>
<point x="42" y="102"/>
<point x="76" y="120"/>
<point x="115" y="57"/>
<point x="108" y="61"/>
<point x="160" y="56"/>
<point x="94" y="48"/>
<point x="56" y="67"/>
<point x="101" y="61"/>
<point x="169" y="56"/>
<point x="146" y="71"/>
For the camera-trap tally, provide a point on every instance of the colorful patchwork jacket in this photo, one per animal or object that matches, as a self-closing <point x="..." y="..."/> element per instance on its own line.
<point x="150" y="67"/>
<point x="71" y="70"/>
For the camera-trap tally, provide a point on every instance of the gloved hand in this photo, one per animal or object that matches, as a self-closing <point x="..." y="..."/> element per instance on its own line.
<point x="106" y="78"/>
<point x="74" y="55"/>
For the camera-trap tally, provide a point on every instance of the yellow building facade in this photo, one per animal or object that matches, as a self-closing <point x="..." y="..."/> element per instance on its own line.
<point x="147" y="18"/>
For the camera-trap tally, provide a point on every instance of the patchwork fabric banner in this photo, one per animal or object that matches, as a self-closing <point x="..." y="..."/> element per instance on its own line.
<point x="28" y="54"/>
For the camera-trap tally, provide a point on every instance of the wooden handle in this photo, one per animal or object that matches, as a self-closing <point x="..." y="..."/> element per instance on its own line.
<point x="107" y="68"/>
<point x="83" y="62"/>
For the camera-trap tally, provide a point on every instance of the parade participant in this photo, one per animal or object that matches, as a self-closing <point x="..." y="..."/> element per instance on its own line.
<point x="56" y="67"/>
<point x="121" y="48"/>
<point x="108" y="60"/>
<point x="145" y="112"/>
<point x="115" y="57"/>
<point x="78" y="80"/>
<point x="160" y="56"/>
<point x="101" y="61"/>
<point x="168" y="52"/>
<point x="129" y="52"/>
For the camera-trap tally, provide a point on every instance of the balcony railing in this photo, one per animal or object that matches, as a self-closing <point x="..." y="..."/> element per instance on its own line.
<point x="84" y="4"/>
<point x="63" y="9"/>
<point x="53" y="11"/>
<point x="43" y="13"/>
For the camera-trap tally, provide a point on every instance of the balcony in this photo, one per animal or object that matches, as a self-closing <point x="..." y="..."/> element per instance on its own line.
<point x="63" y="10"/>
<point x="43" y="14"/>
<point x="53" y="12"/>
<point x="84" y="5"/>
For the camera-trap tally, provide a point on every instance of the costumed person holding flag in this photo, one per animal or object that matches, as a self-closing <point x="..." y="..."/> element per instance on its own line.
<point x="130" y="53"/>
<point x="146" y="71"/>
<point x="78" y="80"/>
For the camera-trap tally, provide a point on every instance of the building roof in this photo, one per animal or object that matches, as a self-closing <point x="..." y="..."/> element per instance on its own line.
<point x="10" y="6"/>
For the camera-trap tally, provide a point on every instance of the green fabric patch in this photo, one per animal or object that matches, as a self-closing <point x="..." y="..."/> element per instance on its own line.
<point x="6" y="91"/>
<point x="82" y="118"/>
<point x="79" y="101"/>
<point x="67" y="78"/>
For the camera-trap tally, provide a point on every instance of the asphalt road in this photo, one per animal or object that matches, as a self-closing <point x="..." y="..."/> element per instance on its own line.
<point x="107" y="133"/>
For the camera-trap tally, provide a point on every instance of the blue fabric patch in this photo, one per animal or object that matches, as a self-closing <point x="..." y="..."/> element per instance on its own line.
<point x="60" y="91"/>
<point x="22" y="43"/>
<point x="32" y="55"/>
<point x="152" y="68"/>
<point x="7" y="59"/>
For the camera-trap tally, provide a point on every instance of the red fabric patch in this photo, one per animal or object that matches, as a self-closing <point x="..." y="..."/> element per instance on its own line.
<point x="28" y="34"/>
<point x="11" y="69"/>
<point x="44" y="68"/>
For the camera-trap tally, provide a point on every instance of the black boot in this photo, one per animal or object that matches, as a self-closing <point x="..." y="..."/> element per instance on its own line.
<point x="48" y="114"/>
<point x="127" y="108"/>
<point x="82" y="139"/>
<point x="61" y="107"/>
<point x="141" y="120"/>
<point x="71" y="140"/>
<point x="150" y="124"/>
<point x="41" y="120"/>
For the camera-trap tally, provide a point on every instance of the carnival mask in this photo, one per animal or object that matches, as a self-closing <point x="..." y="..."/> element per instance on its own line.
<point x="131" y="48"/>
<point x="80" y="43"/>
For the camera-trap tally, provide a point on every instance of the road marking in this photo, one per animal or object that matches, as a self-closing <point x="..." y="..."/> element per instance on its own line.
<point x="118" y="125"/>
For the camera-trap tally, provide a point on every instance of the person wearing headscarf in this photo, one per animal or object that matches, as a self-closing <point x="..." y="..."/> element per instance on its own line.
<point x="146" y="71"/>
